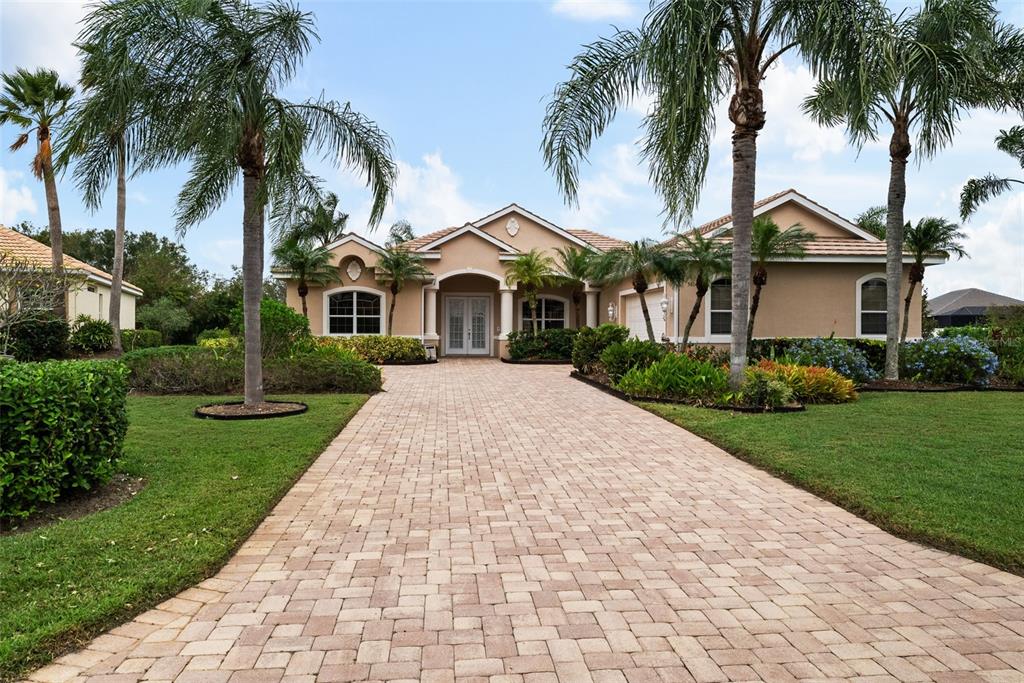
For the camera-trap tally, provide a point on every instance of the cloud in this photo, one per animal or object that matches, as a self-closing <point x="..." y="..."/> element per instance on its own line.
<point x="594" y="10"/>
<point x="40" y="33"/>
<point x="16" y="198"/>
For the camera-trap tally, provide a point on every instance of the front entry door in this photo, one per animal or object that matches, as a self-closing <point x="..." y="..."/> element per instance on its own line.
<point x="468" y="323"/>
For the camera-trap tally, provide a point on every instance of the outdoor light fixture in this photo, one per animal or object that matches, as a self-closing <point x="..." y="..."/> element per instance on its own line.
<point x="611" y="311"/>
<point x="664" y="306"/>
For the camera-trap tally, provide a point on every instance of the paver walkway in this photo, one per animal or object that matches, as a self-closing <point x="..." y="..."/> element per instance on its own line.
<point x="481" y="520"/>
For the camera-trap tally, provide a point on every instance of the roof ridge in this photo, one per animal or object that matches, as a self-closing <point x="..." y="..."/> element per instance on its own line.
<point x="43" y="250"/>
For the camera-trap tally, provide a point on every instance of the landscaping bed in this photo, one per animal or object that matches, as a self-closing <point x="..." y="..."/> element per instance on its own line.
<point x="238" y="410"/>
<point x="537" y="361"/>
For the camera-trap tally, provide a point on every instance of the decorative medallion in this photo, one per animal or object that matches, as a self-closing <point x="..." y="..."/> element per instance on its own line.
<point x="354" y="270"/>
<point x="512" y="227"/>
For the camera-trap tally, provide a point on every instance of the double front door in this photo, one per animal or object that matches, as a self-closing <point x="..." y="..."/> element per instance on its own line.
<point x="467" y="324"/>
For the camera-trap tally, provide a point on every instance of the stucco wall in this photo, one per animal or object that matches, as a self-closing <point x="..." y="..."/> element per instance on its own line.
<point x="96" y="304"/>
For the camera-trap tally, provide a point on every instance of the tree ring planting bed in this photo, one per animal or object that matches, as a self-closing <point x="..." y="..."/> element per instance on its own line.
<point x="237" y="410"/>
<point x="536" y="361"/>
<point x="425" y="361"/>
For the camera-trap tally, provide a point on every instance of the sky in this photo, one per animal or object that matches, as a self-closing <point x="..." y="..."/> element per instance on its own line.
<point x="461" y="88"/>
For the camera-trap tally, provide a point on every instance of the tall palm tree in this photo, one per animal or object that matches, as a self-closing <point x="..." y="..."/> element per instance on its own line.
<point x="641" y="262"/>
<point x="216" y="70"/>
<point x="977" y="191"/>
<point x="308" y="263"/>
<point x="319" y="221"/>
<point x="398" y="266"/>
<point x="924" y="69"/>
<point x="36" y="102"/>
<point x="576" y="268"/>
<point x="872" y="220"/>
<point x="770" y="242"/>
<point x="930" y="235"/>
<point x="530" y="272"/>
<point x="691" y="54"/>
<point x="399" y="233"/>
<point x="704" y="259"/>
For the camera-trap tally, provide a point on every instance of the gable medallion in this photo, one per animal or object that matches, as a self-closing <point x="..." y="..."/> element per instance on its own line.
<point x="354" y="270"/>
<point x="512" y="227"/>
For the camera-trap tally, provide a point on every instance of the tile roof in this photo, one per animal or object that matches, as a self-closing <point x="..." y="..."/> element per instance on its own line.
<point x="972" y="297"/>
<point x="594" y="239"/>
<point x="26" y="250"/>
<point x="423" y="240"/>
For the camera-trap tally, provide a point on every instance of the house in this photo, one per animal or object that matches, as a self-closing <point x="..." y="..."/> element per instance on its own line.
<point x="90" y="294"/>
<point x="966" y="306"/>
<point x="467" y="308"/>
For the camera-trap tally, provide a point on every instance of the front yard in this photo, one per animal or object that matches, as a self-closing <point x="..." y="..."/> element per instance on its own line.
<point x="946" y="469"/>
<point x="208" y="484"/>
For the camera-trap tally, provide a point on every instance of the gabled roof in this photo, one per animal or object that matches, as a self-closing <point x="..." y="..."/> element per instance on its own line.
<point x="358" y="239"/>
<point x="972" y="297"/>
<point x="597" y="240"/>
<point x="515" y="208"/>
<point x="468" y="228"/>
<point x="24" y="249"/>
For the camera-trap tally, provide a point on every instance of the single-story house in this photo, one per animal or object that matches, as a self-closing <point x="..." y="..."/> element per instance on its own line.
<point x="966" y="306"/>
<point x="90" y="293"/>
<point x="467" y="308"/>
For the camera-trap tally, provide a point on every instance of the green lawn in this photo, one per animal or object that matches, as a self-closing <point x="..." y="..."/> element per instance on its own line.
<point x="944" y="469"/>
<point x="209" y="485"/>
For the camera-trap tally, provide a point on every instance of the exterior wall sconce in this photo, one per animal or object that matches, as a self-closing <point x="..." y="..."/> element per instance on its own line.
<point x="611" y="311"/>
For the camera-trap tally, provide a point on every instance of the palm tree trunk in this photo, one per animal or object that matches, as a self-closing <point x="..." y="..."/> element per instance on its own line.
<point x="118" y="270"/>
<point x="252" y="285"/>
<point x="391" y="310"/>
<point x="906" y="310"/>
<point x="694" y="312"/>
<point x="533" y="312"/>
<point x="53" y="216"/>
<point x="899" y="151"/>
<point x="647" y="314"/>
<point x="744" y="163"/>
<point x="755" y="301"/>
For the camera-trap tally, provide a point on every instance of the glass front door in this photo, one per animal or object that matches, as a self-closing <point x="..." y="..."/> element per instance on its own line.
<point x="467" y="326"/>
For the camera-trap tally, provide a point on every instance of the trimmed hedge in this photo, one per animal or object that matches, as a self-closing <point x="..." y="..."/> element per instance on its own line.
<point x="377" y="348"/>
<point x="63" y="425"/>
<point x="41" y="338"/>
<point x="553" y="344"/>
<point x="140" y="339"/>
<point x="590" y="342"/>
<point x="281" y="328"/>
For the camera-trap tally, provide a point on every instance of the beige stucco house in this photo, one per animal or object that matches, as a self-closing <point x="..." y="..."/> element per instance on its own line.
<point x="467" y="308"/>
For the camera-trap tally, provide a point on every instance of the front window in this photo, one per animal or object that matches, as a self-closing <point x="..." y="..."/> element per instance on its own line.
<point x="353" y="313"/>
<point x="550" y="314"/>
<point x="872" y="307"/>
<point x="721" y="306"/>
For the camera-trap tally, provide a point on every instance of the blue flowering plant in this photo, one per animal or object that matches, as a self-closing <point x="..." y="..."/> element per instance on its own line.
<point x="835" y="354"/>
<point x="952" y="360"/>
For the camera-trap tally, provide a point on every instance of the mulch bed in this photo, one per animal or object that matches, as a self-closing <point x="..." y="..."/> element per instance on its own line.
<point x="924" y="387"/>
<point x="237" y="410"/>
<point x="408" y="362"/>
<point x="119" y="489"/>
<point x="537" y="361"/>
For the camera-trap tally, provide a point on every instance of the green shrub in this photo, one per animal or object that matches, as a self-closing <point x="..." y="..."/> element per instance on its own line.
<point x="621" y="357"/>
<point x="326" y="370"/>
<point x="1007" y="322"/>
<point x="280" y="327"/>
<point x="676" y="376"/>
<point x="591" y="341"/>
<point x="89" y="335"/>
<point x="708" y="353"/>
<point x="213" y="333"/>
<point x="222" y="345"/>
<point x="810" y="384"/>
<point x="63" y="425"/>
<point x="140" y="339"/>
<point x="375" y="348"/>
<point x="956" y="360"/>
<point x="979" y="332"/>
<point x="777" y="348"/>
<point x="552" y="344"/>
<point x="42" y="337"/>
<point x="166" y="316"/>
<point x="835" y="354"/>
<point x="764" y="390"/>
<point x="1010" y="353"/>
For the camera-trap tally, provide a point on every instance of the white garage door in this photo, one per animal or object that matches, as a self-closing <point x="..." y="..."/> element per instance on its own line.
<point x="635" y="315"/>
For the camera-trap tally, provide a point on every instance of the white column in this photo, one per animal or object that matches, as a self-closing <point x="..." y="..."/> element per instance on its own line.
<point x="592" y="313"/>
<point x="430" y="313"/>
<point x="506" y="313"/>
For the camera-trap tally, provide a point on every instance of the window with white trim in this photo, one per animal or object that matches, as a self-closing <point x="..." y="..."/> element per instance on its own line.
<point x="720" y="307"/>
<point x="354" y="312"/>
<point x="872" y="307"/>
<point x="550" y="314"/>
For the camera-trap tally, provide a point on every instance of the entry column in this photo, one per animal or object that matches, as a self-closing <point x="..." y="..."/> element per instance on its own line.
<point x="592" y="295"/>
<point x="430" y="313"/>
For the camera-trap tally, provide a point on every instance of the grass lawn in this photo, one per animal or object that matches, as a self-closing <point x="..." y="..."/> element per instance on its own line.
<point x="209" y="483"/>
<point x="944" y="469"/>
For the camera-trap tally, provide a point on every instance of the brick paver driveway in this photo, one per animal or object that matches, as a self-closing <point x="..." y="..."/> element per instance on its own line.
<point x="481" y="520"/>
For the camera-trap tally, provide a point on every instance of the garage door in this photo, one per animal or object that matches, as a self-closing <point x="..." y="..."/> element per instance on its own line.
<point x="635" y="315"/>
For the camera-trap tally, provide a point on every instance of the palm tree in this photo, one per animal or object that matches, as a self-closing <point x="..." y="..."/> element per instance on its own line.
<point x="691" y="54"/>
<point x="641" y="262"/>
<point x="399" y="233"/>
<point x="872" y="220"/>
<point x="308" y="263"/>
<point x="529" y="272"/>
<point x="399" y="266"/>
<point x="770" y="242"/>
<point x="576" y="268"/>
<point x="977" y="191"/>
<point x="37" y="101"/>
<point x="924" y="69"/>
<point x="930" y="235"/>
<point x="704" y="258"/>
<point x="215" y="71"/>
<point x="320" y="221"/>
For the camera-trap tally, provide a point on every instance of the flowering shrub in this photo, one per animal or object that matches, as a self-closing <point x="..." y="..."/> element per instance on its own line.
<point x="677" y="376"/>
<point x="957" y="360"/>
<point x="834" y="354"/>
<point x="809" y="384"/>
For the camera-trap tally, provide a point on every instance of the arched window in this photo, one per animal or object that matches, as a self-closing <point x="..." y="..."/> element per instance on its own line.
<point x="551" y="313"/>
<point x="720" y="307"/>
<point x="354" y="311"/>
<point x="871" y="312"/>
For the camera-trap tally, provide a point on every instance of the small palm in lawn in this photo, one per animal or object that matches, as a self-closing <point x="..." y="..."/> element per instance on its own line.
<point x="925" y="68"/>
<point x="929" y="236"/>
<point x="319" y="222"/>
<point x="215" y="71"/>
<point x="576" y="270"/>
<point x="771" y="242"/>
<point x="640" y="262"/>
<point x="530" y="272"/>
<point x="37" y="102"/>
<point x="400" y="232"/>
<point x="977" y="191"/>
<point x="305" y="262"/>
<point x="398" y="266"/>
<point x="704" y="259"/>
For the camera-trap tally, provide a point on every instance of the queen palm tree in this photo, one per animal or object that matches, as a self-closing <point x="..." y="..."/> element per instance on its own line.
<point x="691" y="54"/>
<point x="576" y="269"/>
<point x="930" y="235"/>
<point x="320" y="221"/>
<point x="37" y="102"/>
<point x="770" y="242"/>
<point x="307" y="263"/>
<point x="703" y="259"/>
<point x="641" y="262"/>
<point x="872" y="220"/>
<point x="398" y="266"/>
<point x="215" y="71"/>
<point x="530" y="272"/>
<point x="399" y="233"/>
<point x="977" y="191"/>
<point x="924" y="69"/>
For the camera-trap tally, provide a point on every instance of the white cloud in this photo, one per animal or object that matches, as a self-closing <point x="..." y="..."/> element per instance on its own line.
<point x="40" y="33"/>
<point x="16" y="198"/>
<point x="594" y="10"/>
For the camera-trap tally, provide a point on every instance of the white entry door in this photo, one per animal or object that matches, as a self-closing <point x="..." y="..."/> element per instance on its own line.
<point x="468" y="321"/>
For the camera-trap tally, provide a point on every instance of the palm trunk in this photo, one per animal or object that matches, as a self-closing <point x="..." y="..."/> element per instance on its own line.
<point x="916" y="275"/>
<point x="252" y="284"/>
<point x="303" y="291"/>
<point x="640" y="287"/>
<point x="53" y="216"/>
<point x="694" y="312"/>
<point x="391" y="309"/>
<point x="533" y="313"/>
<point x="899" y="151"/>
<point x="118" y="270"/>
<point x="755" y="301"/>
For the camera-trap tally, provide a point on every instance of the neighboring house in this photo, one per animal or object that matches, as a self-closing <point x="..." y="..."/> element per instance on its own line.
<point x="467" y="309"/>
<point x="90" y="294"/>
<point x="966" y="306"/>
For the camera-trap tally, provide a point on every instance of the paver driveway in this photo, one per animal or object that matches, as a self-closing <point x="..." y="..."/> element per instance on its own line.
<point x="484" y="520"/>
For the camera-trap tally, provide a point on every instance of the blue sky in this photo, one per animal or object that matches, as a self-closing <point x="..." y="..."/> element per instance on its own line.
<point x="461" y="88"/>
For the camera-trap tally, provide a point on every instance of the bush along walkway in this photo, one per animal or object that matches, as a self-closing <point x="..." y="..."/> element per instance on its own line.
<point x="479" y="519"/>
